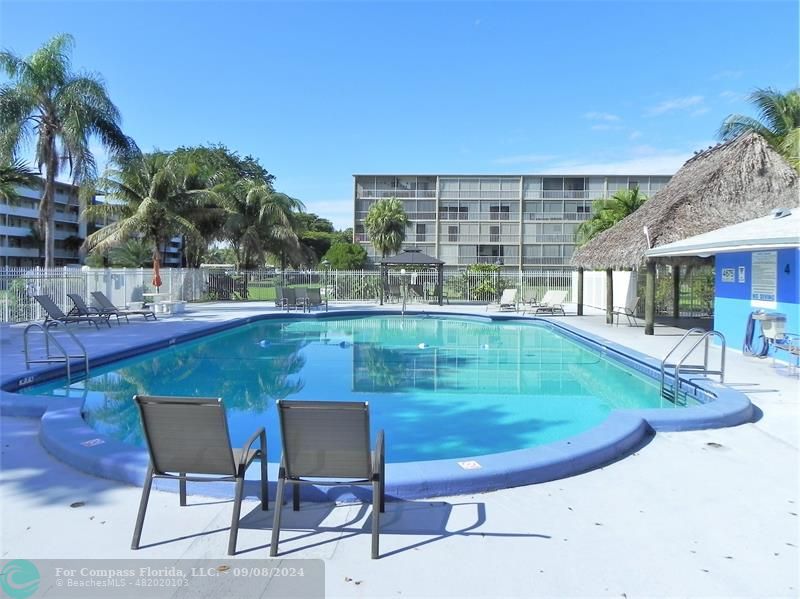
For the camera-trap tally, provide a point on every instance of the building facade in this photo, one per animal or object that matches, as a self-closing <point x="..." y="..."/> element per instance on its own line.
<point x="21" y="247"/>
<point x="519" y="221"/>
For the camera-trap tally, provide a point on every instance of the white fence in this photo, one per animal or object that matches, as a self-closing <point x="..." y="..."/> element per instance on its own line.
<point x="18" y="286"/>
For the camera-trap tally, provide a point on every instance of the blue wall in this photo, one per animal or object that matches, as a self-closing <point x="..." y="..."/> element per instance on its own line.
<point x="732" y="301"/>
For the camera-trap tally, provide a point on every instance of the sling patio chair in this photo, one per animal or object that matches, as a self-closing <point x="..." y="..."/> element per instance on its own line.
<point x="628" y="311"/>
<point x="314" y="299"/>
<point x="106" y="306"/>
<point x="55" y="315"/>
<point x="551" y="302"/>
<point x="188" y="436"/>
<point x="80" y="308"/>
<point x="285" y="297"/>
<point x="323" y="443"/>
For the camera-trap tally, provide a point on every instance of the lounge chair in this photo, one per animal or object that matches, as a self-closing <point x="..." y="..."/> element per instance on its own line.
<point x="325" y="440"/>
<point x="79" y="308"/>
<point x="314" y="298"/>
<point x="54" y="314"/>
<point x="551" y="302"/>
<point x="628" y="311"/>
<point x="108" y="307"/>
<point x="508" y="301"/>
<point x="188" y="436"/>
<point x="285" y="297"/>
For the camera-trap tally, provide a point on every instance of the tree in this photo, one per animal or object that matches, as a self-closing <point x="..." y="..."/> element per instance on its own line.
<point x="386" y="224"/>
<point x="310" y="222"/>
<point x="64" y="111"/>
<point x="149" y="196"/>
<point x="608" y="212"/>
<point x="778" y="122"/>
<point x="346" y="256"/>
<point x="15" y="174"/>
<point x="258" y="221"/>
<point x="133" y="253"/>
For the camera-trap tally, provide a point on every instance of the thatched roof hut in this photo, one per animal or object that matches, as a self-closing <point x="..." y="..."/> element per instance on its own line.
<point x="725" y="185"/>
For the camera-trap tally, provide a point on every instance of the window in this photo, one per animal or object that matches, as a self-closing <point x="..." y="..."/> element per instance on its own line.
<point x="421" y="231"/>
<point x="452" y="233"/>
<point x="633" y="184"/>
<point x="499" y="212"/>
<point x="583" y="209"/>
<point x="494" y="234"/>
<point x="553" y="183"/>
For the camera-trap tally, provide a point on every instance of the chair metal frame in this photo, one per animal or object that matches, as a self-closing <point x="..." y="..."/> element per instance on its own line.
<point x="235" y="474"/>
<point x="375" y="467"/>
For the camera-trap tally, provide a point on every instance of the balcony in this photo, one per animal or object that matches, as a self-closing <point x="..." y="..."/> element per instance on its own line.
<point x="546" y="261"/>
<point x="404" y="194"/>
<point x="479" y="216"/>
<point x="565" y="216"/>
<point x="480" y="195"/>
<point x="549" y="238"/>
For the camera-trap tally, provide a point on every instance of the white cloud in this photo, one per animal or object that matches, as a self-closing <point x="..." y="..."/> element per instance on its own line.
<point x="672" y="104"/>
<point x="600" y="116"/>
<point x="634" y="135"/>
<point x="644" y="161"/>
<point x="732" y="96"/>
<point x="524" y="159"/>
<point x="701" y="110"/>
<point x="605" y="127"/>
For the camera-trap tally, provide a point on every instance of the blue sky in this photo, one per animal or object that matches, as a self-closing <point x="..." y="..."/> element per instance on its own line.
<point x="319" y="91"/>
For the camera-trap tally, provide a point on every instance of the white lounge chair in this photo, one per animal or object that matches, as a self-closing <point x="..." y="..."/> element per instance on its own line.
<point x="551" y="302"/>
<point x="628" y="311"/>
<point x="508" y="301"/>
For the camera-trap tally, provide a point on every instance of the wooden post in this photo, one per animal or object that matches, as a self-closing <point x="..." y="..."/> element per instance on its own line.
<point x="676" y="291"/>
<point x="580" y="292"/>
<point x="380" y="281"/>
<point x="609" y="296"/>
<point x="650" y="299"/>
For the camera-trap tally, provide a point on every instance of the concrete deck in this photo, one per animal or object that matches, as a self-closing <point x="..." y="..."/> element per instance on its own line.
<point x="689" y="514"/>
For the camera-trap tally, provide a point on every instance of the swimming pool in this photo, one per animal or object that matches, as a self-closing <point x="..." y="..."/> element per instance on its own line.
<point x="469" y="403"/>
<point x="440" y="387"/>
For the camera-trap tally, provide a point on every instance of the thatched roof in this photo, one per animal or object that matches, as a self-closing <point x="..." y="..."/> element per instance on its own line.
<point x="725" y="185"/>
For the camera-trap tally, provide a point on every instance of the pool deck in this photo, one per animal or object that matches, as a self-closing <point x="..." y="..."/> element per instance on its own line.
<point x="701" y="513"/>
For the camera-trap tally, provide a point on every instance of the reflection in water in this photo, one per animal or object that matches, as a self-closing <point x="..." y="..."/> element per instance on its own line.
<point x="441" y="387"/>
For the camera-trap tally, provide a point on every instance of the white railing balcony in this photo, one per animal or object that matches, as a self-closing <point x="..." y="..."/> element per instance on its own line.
<point x="550" y="238"/>
<point x="19" y="211"/>
<point x="565" y="216"/>
<point x="546" y="261"/>
<point x="479" y="239"/>
<point x="480" y="195"/>
<point x="406" y="194"/>
<point x="479" y="216"/>
<point x="15" y="231"/>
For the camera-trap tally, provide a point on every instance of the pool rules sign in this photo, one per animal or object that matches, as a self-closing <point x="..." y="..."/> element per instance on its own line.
<point x="765" y="280"/>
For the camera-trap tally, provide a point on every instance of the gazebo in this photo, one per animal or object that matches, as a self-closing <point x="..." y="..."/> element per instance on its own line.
<point x="413" y="257"/>
<point x="727" y="184"/>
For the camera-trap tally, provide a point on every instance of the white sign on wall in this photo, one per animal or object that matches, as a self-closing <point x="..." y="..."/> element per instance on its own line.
<point x="764" y="291"/>
<point x="741" y="274"/>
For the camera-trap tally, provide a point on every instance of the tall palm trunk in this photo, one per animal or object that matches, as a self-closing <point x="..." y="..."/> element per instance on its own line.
<point x="46" y="206"/>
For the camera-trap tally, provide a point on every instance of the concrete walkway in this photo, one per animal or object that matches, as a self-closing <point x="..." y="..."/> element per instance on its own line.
<point x="705" y="513"/>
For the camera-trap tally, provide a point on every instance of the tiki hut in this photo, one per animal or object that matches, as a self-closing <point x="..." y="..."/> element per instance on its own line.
<point x="724" y="185"/>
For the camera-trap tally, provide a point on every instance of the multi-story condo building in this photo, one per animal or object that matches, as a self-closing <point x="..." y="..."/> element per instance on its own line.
<point x="19" y="247"/>
<point x="519" y="221"/>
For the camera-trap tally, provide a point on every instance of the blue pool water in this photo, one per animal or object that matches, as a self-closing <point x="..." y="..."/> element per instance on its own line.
<point x="441" y="387"/>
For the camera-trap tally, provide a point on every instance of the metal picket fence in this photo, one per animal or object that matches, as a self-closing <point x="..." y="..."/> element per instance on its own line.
<point x="125" y="286"/>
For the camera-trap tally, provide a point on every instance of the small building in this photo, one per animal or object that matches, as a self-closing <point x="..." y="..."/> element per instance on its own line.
<point x="757" y="268"/>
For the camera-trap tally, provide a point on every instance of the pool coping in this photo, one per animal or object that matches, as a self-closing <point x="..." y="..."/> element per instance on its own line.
<point x="65" y="434"/>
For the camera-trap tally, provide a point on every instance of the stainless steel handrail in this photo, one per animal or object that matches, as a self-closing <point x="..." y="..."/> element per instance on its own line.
<point x="698" y="368"/>
<point x="49" y="357"/>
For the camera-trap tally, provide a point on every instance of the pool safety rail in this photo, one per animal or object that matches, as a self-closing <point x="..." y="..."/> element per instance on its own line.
<point x="50" y="340"/>
<point x="673" y="393"/>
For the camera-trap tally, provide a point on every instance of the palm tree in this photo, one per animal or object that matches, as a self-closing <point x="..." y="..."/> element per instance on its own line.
<point x="15" y="174"/>
<point x="386" y="224"/>
<point x="133" y="253"/>
<point x="778" y="122"/>
<point x="149" y="196"/>
<point x="64" y="111"/>
<point x="608" y="212"/>
<point x="259" y="221"/>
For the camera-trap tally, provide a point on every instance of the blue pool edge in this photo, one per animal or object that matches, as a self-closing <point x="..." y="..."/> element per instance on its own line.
<point x="66" y="435"/>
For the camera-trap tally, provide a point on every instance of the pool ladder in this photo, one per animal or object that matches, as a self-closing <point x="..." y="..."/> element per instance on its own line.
<point x="673" y="393"/>
<point x="62" y="355"/>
